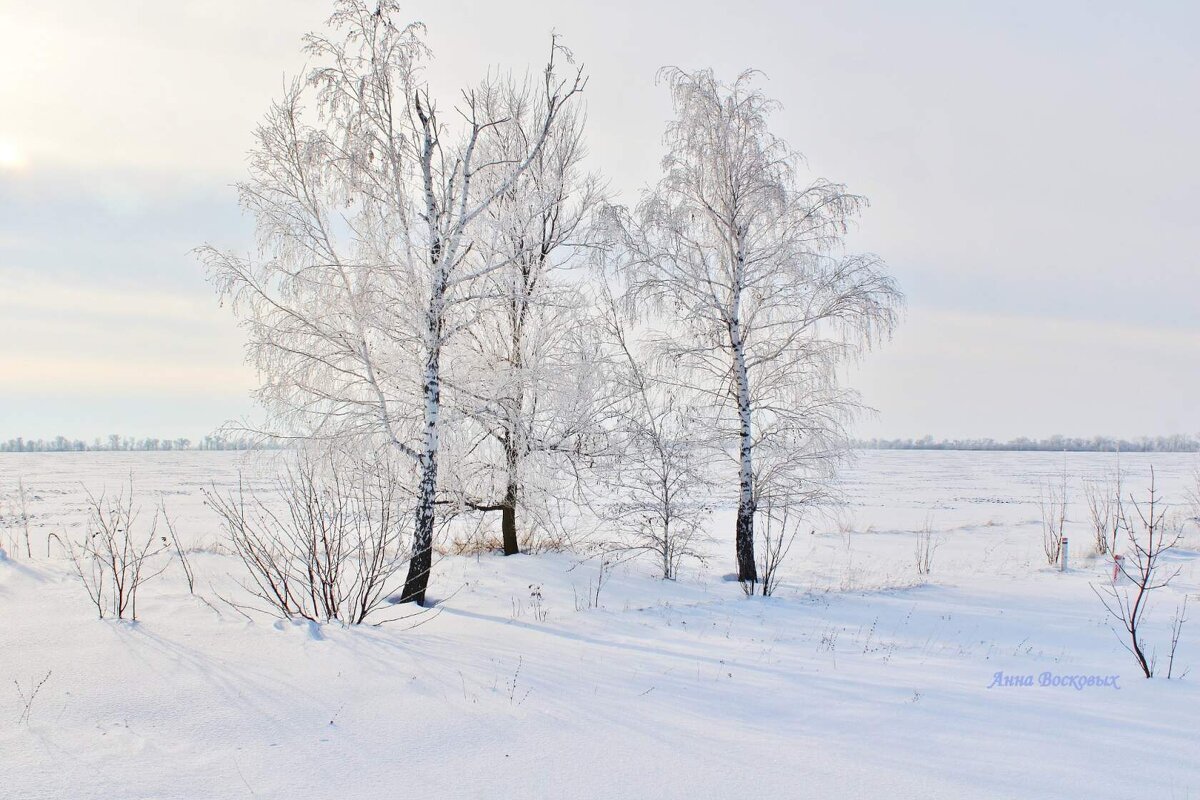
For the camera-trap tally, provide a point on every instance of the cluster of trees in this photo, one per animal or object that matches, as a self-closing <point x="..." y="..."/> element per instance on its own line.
<point x="451" y="289"/>
<point x="1157" y="444"/>
<point x="61" y="444"/>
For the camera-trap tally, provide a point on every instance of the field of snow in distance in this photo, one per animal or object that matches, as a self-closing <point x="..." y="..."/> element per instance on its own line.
<point x="860" y="679"/>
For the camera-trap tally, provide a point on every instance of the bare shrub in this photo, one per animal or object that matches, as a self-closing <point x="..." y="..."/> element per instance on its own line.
<point x="14" y="516"/>
<point x="1149" y="537"/>
<point x="333" y="550"/>
<point x="667" y="538"/>
<point x="23" y="506"/>
<point x="780" y="522"/>
<point x="1194" y="497"/>
<point x="655" y="474"/>
<point x="113" y="559"/>
<point x="1176" y="632"/>
<point x="1053" y="504"/>
<point x="1104" y="511"/>
<point x="927" y="545"/>
<point x="8" y="544"/>
<point x="591" y="598"/>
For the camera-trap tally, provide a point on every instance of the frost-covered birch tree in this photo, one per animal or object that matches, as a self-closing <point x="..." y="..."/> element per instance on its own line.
<point x="756" y="300"/>
<point x="367" y="200"/>
<point x="537" y="393"/>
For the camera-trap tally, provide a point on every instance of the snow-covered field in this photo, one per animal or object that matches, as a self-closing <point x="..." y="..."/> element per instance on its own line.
<point x="860" y="679"/>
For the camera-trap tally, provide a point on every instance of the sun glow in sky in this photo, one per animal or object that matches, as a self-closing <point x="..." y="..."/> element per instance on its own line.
<point x="11" y="158"/>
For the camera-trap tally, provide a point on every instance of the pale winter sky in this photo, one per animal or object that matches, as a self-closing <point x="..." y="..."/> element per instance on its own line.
<point x="1031" y="165"/>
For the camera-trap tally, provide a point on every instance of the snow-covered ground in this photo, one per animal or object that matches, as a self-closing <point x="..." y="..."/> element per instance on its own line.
<point x="860" y="679"/>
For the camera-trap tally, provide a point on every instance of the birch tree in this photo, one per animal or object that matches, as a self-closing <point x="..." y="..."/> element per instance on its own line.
<point x="757" y="301"/>
<point x="367" y="201"/>
<point x="536" y="393"/>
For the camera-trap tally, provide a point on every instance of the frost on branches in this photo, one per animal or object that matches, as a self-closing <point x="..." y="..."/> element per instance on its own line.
<point x="419" y="290"/>
<point x="370" y="207"/>
<point x="741" y="269"/>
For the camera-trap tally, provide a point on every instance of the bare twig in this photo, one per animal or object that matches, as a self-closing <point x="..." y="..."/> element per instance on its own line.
<point x="27" y="699"/>
<point x="1176" y="631"/>
<point x="180" y="553"/>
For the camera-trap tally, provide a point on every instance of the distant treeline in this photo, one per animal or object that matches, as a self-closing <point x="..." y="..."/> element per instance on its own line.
<point x="1146" y="444"/>
<point x="61" y="444"/>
